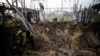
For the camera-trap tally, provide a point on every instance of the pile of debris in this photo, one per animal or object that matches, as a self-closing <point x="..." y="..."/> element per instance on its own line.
<point x="62" y="39"/>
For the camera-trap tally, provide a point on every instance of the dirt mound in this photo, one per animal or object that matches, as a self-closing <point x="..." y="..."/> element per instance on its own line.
<point x="62" y="39"/>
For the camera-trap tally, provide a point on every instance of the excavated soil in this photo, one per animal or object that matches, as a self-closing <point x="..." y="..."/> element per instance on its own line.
<point x="62" y="39"/>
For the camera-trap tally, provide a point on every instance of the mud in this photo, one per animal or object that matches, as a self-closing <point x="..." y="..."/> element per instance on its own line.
<point x="62" y="39"/>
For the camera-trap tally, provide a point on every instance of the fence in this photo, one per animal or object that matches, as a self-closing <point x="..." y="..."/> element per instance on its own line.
<point x="65" y="14"/>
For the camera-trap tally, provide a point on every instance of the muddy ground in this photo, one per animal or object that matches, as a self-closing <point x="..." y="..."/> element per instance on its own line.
<point x="63" y="39"/>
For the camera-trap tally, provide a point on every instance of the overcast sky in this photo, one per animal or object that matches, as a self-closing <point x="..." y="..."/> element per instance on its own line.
<point x="66" y="3"/>
<point x="56" y="3"/>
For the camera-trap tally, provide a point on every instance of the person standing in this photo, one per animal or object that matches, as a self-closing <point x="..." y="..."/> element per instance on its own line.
<point x="42" y="16"/>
